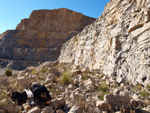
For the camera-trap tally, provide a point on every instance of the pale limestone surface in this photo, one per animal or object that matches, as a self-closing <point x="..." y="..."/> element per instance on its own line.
<point x="117" y="43"/>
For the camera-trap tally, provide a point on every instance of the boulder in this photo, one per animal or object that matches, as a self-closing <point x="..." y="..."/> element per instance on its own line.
<point x="35" y="110"/>
<point x="89" y="85"/>
<point x="58" y="103"/>
<point x="68" y="106"/>
<point x="60" y="111"/>
<point x="26" y="107"/>
<point x="3" y="102"/>
<point x="2" y="111"/>
<point x="75" y="109"/>
<point x="48" y="109"/>
<point x="121" y="100"/>
<point x="103" y="106"/>
<point x="51" y="78"/>
<point x="52" y="86"/>
<point x="12" y="108"/>
<point x="23" y="82"/>
<point x="136" y="97"/>
<point x="71" y="87"/>
<point x="55" y="71"/>
<point x="148" y="108"/>
<point x="119" y="80"/>
<point x="76" y="72"/>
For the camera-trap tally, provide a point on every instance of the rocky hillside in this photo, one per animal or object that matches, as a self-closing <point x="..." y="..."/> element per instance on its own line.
<point x="117" y="43"/>
<point x="74" y="91"/>
<point x="40" y="37"/>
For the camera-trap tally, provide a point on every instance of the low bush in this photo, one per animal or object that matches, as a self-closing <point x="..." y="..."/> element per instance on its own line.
<point x="41" y="78"/>
<point x="102" y="94"/>
<point x="65" y="78"/>
<point x="44" y="69"/>
<point x="3" y="95"/>
<point x="144" y="94"/>
<point x="148" y="87"/>
<point x="85" y="76"/>
<point x="103" y="90"/>
<point x="103" y="87"/>
<point x="8" y="72"/>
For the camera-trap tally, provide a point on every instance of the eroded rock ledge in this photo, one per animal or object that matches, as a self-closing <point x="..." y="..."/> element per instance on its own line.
<point x="40" y="37"/>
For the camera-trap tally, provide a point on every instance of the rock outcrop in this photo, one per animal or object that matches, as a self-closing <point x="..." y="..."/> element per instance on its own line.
<point x="117" y="43"/>
<point x="40" y="37"/>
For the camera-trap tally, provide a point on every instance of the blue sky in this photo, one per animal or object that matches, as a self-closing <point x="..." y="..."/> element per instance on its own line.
<point x="12" y="11"/>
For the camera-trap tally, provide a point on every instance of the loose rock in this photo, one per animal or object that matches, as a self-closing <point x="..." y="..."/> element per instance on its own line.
<point x="75" y="109"/>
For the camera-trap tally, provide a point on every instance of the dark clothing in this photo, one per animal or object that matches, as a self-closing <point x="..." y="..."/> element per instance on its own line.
<point x="20" y="98"/>
<point x="41" y="95"/>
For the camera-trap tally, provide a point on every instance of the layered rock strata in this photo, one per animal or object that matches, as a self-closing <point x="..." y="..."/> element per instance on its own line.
<point x="117" y="43"/>
<point x="40" y="37"/>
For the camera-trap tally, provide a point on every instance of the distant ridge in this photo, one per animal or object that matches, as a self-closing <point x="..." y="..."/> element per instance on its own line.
<point x="40" y="37"/>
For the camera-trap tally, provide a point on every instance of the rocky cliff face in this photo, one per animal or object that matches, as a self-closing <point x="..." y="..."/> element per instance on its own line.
<point x="117" y="43"/>
<point x="40" y="37"/>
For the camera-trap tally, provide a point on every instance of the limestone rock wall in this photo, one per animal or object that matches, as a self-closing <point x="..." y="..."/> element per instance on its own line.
<point x="40" y="37"/>
<point x="117" y="43"/>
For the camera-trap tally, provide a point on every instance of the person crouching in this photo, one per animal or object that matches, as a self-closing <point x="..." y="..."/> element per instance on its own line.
<point x="19" y="98"/>
<point x="41" y="95"/>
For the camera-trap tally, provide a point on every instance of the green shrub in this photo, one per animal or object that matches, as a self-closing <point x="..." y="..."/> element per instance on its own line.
<point x="65" y="78"/>
<point x="8" y="72"/>
<point x="102" y="94"/>
<point x="103" y="87"/>
<point x="41" y="78"/>
<point x="58" y="91"/>
<point x="52" y="90"/>
<point x="144" y="94"/>
<point x="103" y="90"/>
<point x="85" y="76"/>
<point x="44" y="69"/>
<point x="3" y="95"/>
<point x="33" y="72"/>
<point x="136" y="88"/>
<point x="148" y="87"/>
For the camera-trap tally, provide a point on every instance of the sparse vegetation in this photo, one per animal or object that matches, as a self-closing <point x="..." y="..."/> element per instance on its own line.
<point x="65" y="78"/>
<point x="136" y="88"/>
<point x="44" y="69"/>
<point x="85" y="76"/>
<point x="58" y="91"/>
<point x="148" y="87"/>
<point x="41" y="78"/>
<point x="144" y="94"/>
<point x="33" y="72"/>
<point x="3" y="94"/>
<point x="52" y="90"/>
<point x="139" y="87"/>
<point x="102" y="94"/>
<point x="103" y="90"/>
<point x="78" y="93"/>
<point x="103" y="87"/>
<point x="8" y="72"/>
